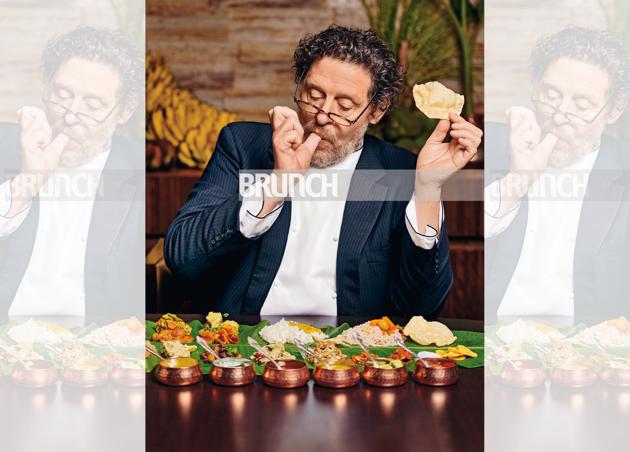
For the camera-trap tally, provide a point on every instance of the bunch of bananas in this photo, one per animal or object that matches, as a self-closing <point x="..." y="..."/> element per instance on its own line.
<point x="179" y="126"/>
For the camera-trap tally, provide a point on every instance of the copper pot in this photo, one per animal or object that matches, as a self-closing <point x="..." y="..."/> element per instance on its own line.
<point x="84" y="378"/>
<point x="615" y="376"/>
<point x="127" y="376"/>
<point x="167" y="373"/>
<point x="337" y="378"/>
<point x="233" y="376"/>
<point x="294" y="374"/>
<point x="436" y="372"/>
<point x="36" y="374"/>
<point x="385" y="378"/>
<point x="526" y="373"/>
<point x="573" y="378"/>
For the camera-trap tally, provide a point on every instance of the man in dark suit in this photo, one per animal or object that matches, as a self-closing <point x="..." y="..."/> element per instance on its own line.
<point x="374" y="253"/>
<point x="557" y="199"/>
<point x="71" y="193"/>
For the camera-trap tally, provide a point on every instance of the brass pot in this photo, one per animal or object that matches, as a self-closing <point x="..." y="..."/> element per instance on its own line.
<point x="84" y="378"/>
<point x="527" y="373"/>
<point x="294" y="374"/>
<point x="336" y="378"/>
<point x="436" y="372"/>
<point x="573" y="378"/>
<point x="127" y="376"/>
<point x="37" y="374"/>
<point x="233" y="376"/>
<point x="615" y="377"/>
<point x="169" y="372"/>
<point x="385" y="378"/>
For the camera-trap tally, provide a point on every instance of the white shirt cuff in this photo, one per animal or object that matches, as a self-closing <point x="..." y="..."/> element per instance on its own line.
<point x="495" y="225"/>
<point x="430" y="236"/>
<point x="251" y="224"/>
<point x="8" y="225"/>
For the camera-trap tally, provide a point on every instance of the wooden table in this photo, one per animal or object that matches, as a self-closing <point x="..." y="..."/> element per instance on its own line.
<point x="363" y="418"/>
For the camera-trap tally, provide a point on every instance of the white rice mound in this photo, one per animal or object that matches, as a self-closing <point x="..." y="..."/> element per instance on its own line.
<point x="371" y="335"/>
<point x="33" y="331"/>
<point x="283" y="333"/>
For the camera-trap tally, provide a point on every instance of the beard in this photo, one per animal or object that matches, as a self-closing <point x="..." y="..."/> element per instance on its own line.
<point x="570" y="147"/>
<point x="330" y="149"/>
<point x="83" y="145"/>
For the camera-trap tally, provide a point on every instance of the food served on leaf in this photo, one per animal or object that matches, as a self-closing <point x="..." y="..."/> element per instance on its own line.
<point x="501" y="353"/>
<point x="385" y="364"/>
<point x="372" y="335"/>
<point x="217" y="330"/>
<point x="611" y="333"/>
<point x="284" y="332"/>
<point x="35" y="331"/>
<point x="73" y="354"/>
<point x="385" y="324"/>
<point x="402" y="355"/>
<point x="179" y="363"/>
<point x="19" y="352"/>
<point x="172" y="328"/>
<point x="232" y="362"/>
<point x="457" y="353"/>
<point x="122" y="333"/>
<point x="175" y="349"/>
<point x="436" y="100"/>
<point x="427" y="333"/>
<point x="363" y="357"/>
<point x="326" y="351"/>
<point x="223" y="350"/>
<point x="528" y="332"/>
<point x="276" y="351"/>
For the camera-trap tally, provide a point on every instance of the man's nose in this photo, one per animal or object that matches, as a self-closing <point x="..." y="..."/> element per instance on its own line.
<point x="322" y="115"/>
<point x="559" y="117"/>
<point x="70" y="118"/>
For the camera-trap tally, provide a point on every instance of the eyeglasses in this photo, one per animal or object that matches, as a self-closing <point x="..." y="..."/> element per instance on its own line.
<point x="311" y="109"/>
<point x="576" y="120"/>
<point x="84" y="119"/>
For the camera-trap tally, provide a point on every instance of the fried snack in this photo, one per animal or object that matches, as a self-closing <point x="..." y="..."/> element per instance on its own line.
<point x="327" y="352"/>
<point x="172" y="328"/>
<point x="402" y="355"/>
<point x="363" y="357"/>
<point x="426" y="333"/>
<point x="385" y="324"/>
<point x="436" y="100"/>
<point x="225" y="334"/>
<point x="457" y="353"/>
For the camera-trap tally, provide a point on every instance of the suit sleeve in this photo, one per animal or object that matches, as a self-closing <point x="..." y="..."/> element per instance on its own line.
<point x="422" y="278"/>
<point x="207" y="227"/>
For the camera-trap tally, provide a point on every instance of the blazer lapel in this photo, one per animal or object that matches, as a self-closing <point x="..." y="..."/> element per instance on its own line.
<point x="366" y="196"/>
<point x="116" y="194"/>
<point x="601" y="203"/>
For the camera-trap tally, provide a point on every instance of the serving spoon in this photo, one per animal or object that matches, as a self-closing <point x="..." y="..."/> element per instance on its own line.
<point x="303" y="347"/>
<point x="251" y="341"/>
<point x="154" y="353"/>
<point x="201" y="341"/>
<point x="402" y="345"/>
<point x="359" y="341"/>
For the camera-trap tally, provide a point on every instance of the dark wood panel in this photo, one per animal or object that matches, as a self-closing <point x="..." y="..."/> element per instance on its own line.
<point x="464" y="219"/>
<point x="166" y="193"/>
<point x="466" y="298"/>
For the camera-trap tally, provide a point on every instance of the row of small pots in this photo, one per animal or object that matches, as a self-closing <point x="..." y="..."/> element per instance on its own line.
<point x="295" y="374"/>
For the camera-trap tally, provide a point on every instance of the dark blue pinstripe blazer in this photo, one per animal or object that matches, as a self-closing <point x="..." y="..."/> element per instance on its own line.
<point x="379" y="269"/>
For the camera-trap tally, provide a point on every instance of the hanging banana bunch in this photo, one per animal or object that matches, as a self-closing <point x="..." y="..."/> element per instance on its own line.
<point x="180" y="127"/>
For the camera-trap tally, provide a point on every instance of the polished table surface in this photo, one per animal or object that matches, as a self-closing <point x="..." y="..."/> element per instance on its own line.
<point x="363" y="418"/>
